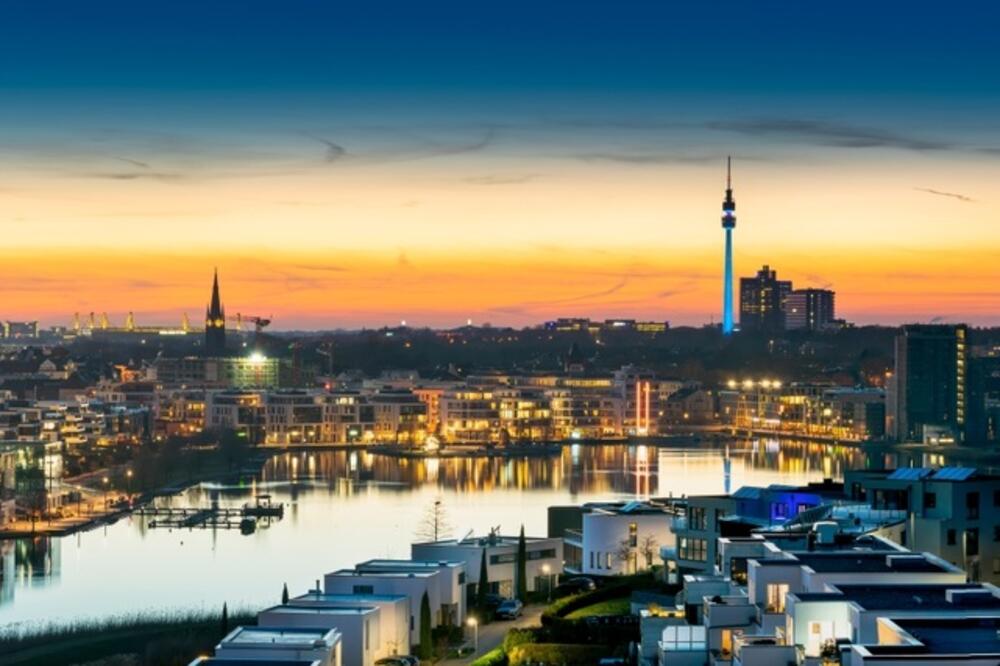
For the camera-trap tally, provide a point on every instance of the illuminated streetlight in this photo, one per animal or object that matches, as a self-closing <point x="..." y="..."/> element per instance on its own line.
<point x="474" y="623"/>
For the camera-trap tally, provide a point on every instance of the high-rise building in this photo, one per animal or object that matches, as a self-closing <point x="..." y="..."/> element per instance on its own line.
<point x="809" y="309"/>
<point x="215" y="323"/>
<point x="928" y="391"/>
<point x="762" y="301"/>
<point x="728" y="223"/>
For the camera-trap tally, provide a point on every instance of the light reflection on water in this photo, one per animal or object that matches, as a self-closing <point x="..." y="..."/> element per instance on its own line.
<point x="343" y="507"/>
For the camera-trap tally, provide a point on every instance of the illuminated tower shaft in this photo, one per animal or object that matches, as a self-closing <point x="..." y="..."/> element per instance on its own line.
<point x="728" y="223"/>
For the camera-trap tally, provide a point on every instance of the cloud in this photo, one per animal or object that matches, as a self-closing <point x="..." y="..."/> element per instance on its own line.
<point x="501" y="180"/>
<point x="137" y="163"/>
<point x="137" y="175"/>
<point x="334" y="151"/>
<point x="648" y="158"/>
<point x="818" y="132"/>
<point x="940" y="193"/>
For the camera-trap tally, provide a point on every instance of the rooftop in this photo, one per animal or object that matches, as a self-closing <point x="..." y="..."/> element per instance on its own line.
<point x="921" y="597"/>
<point x="384" y="574"/>
<point x="280" y="636"/>
<point x="406" y="565"/>
<point x="321" y="610"/>
<point x="345" y="598"/>
<point x="975" y="635"/>
<point x="864" y="562"/>
<point x="213" y="661"/>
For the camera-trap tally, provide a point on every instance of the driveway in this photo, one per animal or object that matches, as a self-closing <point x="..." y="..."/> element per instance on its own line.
<point x="492" y="635"/>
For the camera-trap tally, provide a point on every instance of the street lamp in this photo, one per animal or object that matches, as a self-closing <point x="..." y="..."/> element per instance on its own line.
<point x="474" y="623"/>
<point x="128" y="476"/>
<point x="547" y="570"/>
<point x="105" y="481"/>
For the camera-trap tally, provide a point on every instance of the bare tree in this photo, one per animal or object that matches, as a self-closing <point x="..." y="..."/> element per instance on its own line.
<point x="648" y="549"/>
<point x="434" y="525"/>
<point x="626" y="555"/>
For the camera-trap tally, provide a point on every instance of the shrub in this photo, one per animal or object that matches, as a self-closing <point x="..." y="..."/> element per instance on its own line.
<point x="517" y="637"/>
<point x="495" y="657"/>
<point x="556" y="653"/>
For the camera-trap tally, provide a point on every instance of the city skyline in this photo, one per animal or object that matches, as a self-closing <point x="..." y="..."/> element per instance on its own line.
<point x="340" y="173"/>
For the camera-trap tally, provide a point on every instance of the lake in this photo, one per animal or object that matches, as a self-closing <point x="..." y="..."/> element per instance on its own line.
<point x="346" y="506"/>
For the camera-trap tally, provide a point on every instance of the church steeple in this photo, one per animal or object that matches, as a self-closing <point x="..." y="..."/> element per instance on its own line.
<point x="215" y="322"/>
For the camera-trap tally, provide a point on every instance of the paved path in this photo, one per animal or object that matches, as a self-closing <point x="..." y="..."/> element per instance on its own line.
<point x="491" y="635"/>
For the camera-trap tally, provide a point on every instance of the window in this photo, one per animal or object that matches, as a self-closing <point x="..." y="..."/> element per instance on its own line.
<point x="971" y="542"/>
<point x="461" y="578"/>
<point x="930" y="500"/>
<point x="503" y="558"/>
<point x="697" y="518"/>
<point x="951" y="537"/>
<point x="695" y="550"/>
<point x="633" y="535"/>
<point x="972" y="505"/>
<point x="591" y="559"/>
<point x="544" y="554"/>
<point x="364" y="589"/>
<point x="996" y="498"/>
<point x="607" y="563"/>
<point x="776" y="597"/>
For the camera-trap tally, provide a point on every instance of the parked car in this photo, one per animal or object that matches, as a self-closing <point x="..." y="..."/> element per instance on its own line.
<point x="574" y="586"/>
<point x="398" y="660"/>
<point x="510" y="609"/>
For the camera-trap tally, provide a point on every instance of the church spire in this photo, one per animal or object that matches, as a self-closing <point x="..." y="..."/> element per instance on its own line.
<point x="215" y="322"/>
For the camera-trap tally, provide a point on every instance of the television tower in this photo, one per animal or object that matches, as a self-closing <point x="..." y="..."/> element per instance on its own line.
<point x="728" y="223"/>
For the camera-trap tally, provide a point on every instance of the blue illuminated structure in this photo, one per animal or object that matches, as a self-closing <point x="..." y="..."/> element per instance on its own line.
<point x="728" y="223"/>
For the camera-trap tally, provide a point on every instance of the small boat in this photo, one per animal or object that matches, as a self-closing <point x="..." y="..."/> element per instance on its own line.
<point x="263" y="507"/>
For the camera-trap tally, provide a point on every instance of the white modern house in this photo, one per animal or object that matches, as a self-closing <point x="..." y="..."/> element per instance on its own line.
<point x="451" y="584"/>
<point x="544" y="561"/>
<point x="394" y="616"/>
<point x="618" y="538"/>
<point x="280" y="644"/>
<point x="411" y="584"/>
<point x="359" y="627"/>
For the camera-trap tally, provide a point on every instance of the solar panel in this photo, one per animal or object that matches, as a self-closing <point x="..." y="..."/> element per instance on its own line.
<point x="910" y="473"/>
<point x="954" y="473"/>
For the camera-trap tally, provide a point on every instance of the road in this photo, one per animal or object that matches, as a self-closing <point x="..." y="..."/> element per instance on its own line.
<point x="491" y="635"/>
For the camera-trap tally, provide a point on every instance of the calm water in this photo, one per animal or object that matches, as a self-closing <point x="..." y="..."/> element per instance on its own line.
<point x="343" y="507"/>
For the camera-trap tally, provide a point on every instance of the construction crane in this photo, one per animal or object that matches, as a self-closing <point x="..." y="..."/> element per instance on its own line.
<point x="259" y="323"/>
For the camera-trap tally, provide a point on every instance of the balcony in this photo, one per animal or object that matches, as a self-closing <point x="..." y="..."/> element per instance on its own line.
<point x="573" y="537"/>
<point x="762" y="651"/>
<point x="729" y="611"/>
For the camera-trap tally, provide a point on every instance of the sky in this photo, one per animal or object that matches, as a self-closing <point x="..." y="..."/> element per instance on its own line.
<point x="359" y="164"/>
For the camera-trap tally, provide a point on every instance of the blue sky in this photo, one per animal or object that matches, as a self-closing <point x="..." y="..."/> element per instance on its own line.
<point x="460" y="145"/>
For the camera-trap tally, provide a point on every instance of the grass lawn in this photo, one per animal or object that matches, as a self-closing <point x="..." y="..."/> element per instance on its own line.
<point x="619" y="606"/>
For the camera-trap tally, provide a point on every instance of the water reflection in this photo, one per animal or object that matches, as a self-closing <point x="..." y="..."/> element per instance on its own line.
<point x="342" y="507"/>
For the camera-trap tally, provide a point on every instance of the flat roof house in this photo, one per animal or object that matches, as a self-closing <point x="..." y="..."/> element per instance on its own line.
<point x="281" y="644"/>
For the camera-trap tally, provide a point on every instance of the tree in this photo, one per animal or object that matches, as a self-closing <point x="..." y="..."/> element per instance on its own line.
<point x="434" y="525"/>
<point x="625" y="554"/>
<point x="284" y="595"/>
<point x="426" y="648"/>
<point x="522" y="567"/>
<point x="648" y="549"/>
<point x="225" y="619"/>
<point x="484" y="582"/>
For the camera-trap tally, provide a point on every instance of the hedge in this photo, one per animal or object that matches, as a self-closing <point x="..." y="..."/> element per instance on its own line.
<point x="495" y="657"/>
<point x="556" y="653"/>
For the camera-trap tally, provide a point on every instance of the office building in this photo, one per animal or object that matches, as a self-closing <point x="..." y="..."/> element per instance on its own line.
<point x="809" y="310"/>
<point x="762" y="301"/>
<point x="928" y="389"/>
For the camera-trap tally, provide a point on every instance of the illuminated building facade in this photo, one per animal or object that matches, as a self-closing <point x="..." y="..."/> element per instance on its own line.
<point x="762" y="301"/>
<point x="809" y="309"/>
<point x="928" y="389"/>
<point x="215" y="323"/>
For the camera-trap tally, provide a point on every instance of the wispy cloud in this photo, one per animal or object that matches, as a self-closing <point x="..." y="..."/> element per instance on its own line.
<point x="941" y="193"/>
<point x="495" y="179"/>
<point x="824" y="133"/>
<point x="641" y="158"/>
